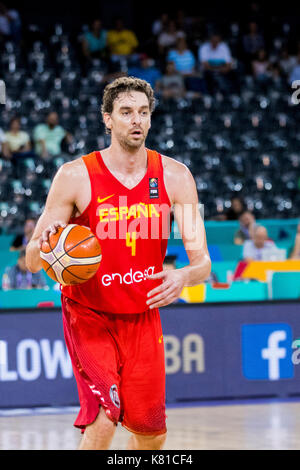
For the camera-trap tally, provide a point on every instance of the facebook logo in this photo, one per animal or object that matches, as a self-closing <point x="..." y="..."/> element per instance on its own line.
<point x="267" y="352"/>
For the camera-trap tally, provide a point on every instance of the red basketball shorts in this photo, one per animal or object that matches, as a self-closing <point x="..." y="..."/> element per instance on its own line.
<point x="118" y="363"/>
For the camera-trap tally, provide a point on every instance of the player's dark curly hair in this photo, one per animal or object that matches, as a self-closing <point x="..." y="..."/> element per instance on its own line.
<point x="125" y="84"/>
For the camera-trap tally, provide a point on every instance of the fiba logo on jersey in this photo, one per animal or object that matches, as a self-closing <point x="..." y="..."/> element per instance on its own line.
<point x="113" y="393"/>
<point x="153" y="182"/>
<point x="153" y="188"/>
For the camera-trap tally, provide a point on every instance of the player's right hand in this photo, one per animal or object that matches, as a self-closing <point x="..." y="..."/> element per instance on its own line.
<point x="51" y="229"/>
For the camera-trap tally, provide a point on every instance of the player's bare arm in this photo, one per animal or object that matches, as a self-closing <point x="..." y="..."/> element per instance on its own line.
<point x="183" y="194"/>
<point x="69" y="195"/>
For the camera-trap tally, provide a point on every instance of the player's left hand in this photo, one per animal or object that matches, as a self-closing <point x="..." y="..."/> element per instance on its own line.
<point x="169" y="290"/>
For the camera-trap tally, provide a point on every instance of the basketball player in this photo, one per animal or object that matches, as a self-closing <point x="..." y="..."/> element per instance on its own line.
<point x="111" y="322"/>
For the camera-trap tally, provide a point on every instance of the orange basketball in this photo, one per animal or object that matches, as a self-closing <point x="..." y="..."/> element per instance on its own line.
<point x="72" y="255"/>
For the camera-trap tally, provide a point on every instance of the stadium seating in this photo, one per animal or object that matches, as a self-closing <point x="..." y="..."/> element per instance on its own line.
<point x="284" y="285"/>
<point x="29" y="298"/>
<point x="244" y="144"/>
<point x="237" y="292"/>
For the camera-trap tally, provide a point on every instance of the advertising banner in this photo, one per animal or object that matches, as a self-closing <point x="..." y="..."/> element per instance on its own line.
<point x="211" y="352"/>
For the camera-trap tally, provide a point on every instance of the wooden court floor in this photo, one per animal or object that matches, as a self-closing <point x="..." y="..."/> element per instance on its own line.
<point x="274" y="425"/>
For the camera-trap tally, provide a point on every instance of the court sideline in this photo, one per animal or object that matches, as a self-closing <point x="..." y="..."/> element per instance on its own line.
<point x="249" y="426"/>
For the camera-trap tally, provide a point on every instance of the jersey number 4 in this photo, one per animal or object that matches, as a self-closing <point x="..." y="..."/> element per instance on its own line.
<point x="131" y="242"/>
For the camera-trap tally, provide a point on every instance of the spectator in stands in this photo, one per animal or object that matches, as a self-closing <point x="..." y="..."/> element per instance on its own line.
<point x="212" y="279"/>
<point x="5" y="21"/>
<point x="94" y="40"/>
<point x="21" y="240"/>
<point x="237" y="207"/>
<point x="122" y="42"/>
<point x="216" y="62"/>
<point x="295" y="253"/>
<point x="287" y="62"/>
<point x="10" y="24"/>
<point x="185" y="23"/>
<point x="18" y="276"/>
<point x="2" y="140"/>
<point x="276" y="74"/>
<point x="17" y="142"/>
<point x="168" y="38"/>
<point x="182" y="57"/>
<point x="185" y="64"/>
<point x="160" y="24"/>
<point x="255" y="12"/>
<point x="169" y="262"/>
<point x="246" y="230"/>
<point x="259" y="247"/>
<point x="261" y="67"/>
<point x="93" y="44"/>
<point x="48" y="137"/>
<point x="252" y="43"/>
<point x="146" y="70"/>
<point x="171" y="84"/>
<point x="295" y="73"/>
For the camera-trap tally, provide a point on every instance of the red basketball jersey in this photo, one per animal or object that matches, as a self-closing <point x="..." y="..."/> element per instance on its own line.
<point x="133" y="227"/>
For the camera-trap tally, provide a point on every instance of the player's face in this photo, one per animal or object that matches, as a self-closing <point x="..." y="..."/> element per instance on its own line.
<point x="130" y="120"/>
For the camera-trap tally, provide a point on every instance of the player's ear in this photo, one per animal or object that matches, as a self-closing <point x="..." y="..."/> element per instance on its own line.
<point x="107" y="120"/>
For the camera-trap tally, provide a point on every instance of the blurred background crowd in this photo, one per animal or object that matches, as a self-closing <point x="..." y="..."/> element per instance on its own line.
<point x="223" y="81"/>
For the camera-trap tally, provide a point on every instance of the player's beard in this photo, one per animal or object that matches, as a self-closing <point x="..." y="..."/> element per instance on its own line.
<point x="131" y="144"/>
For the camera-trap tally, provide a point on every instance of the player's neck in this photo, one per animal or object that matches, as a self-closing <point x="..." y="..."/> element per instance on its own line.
<point x="125" y="160"/>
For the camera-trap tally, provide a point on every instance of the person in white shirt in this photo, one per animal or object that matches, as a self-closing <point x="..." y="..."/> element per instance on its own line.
<point x="16" y="141"/>
<point x="216" y="62"/>
<point x="257" y="248"/>
<point x="215" y="53"/>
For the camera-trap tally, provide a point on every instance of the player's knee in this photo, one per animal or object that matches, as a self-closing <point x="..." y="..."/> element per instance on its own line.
<point x="159" y="440"/>
<point x="103" y="424"/>
<point x="154" y="442"/>
<point x="105" y="419"/>
<point x="99" y="433"/>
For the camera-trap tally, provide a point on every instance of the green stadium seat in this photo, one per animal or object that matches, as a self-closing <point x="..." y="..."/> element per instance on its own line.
<point x="5" y="242"/>
<point x="28" y="298"/>
<point x="7" y="258"/>
<point x="220" y="268"/>
<point x="284" y="285"/>
<point x="238" y="291"/>
<point x="220" y="231"/>
<point x="231" y="252"/>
